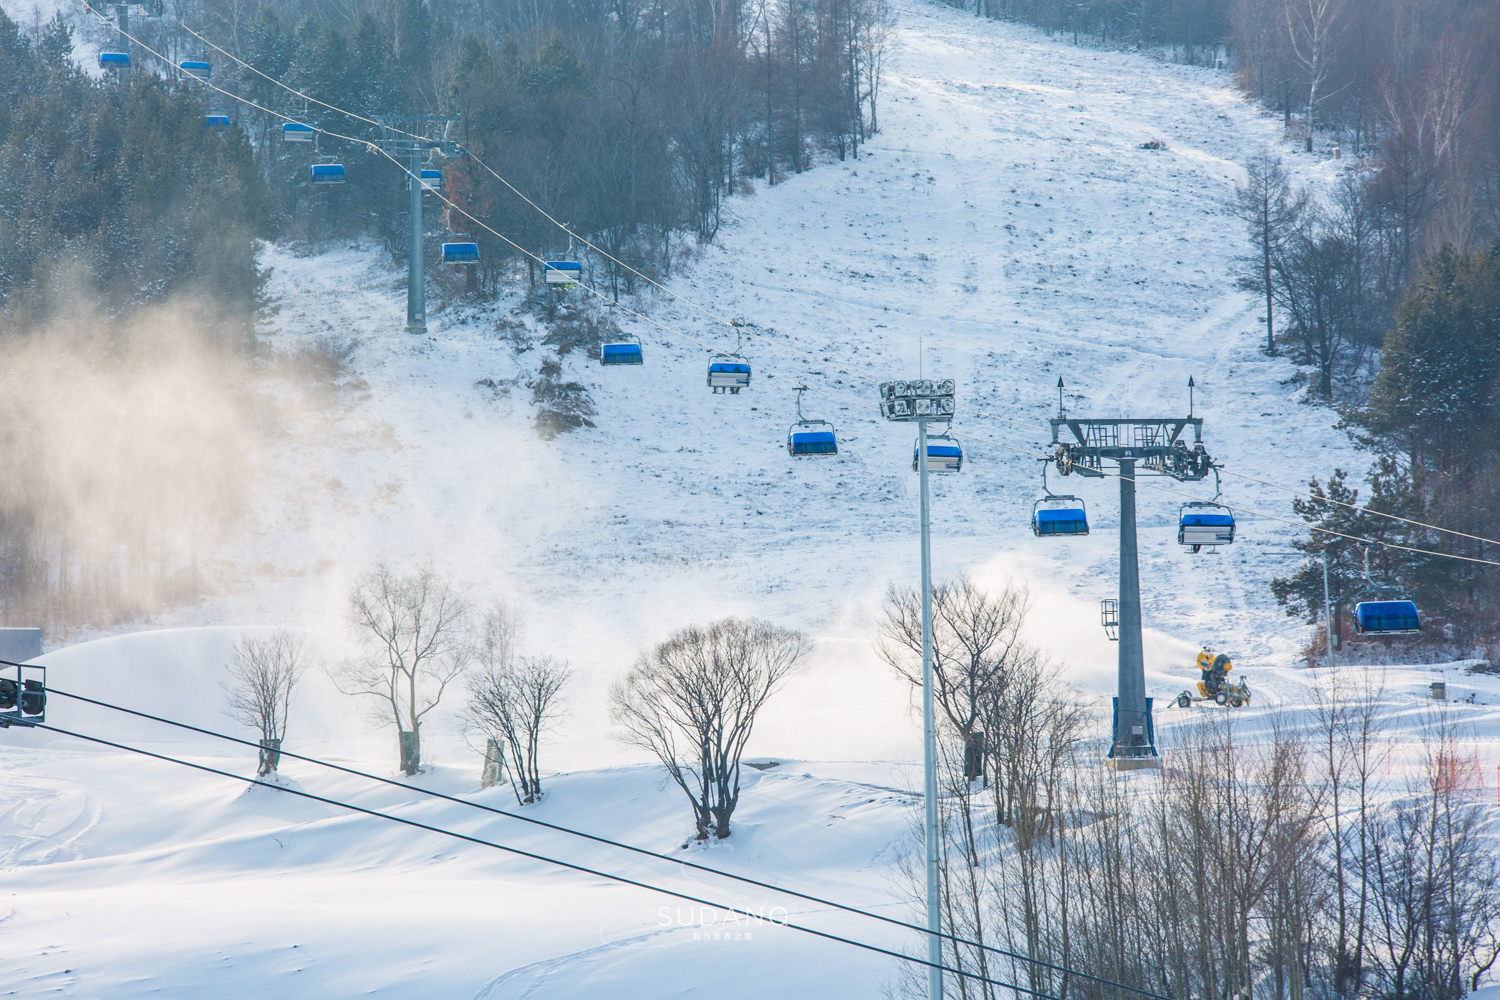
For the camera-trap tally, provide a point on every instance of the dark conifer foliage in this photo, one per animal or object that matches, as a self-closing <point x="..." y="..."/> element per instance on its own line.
<point x="1433" y="416"/>
<point x="629" y="122"/>
<point x="118" y="183"/>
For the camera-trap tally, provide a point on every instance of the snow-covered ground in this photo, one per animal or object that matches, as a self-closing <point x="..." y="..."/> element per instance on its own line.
<point x="1004" y="229"/>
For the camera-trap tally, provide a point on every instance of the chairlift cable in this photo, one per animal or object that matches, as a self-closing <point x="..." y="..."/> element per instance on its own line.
<point x="588" y="836"/>
<point x="1363" y="510"/>
<point x="283" y="86"/>
<point x="449" y="202"/>
<point x="730" y="323"/>
<point x="370" y="145"/>
<point x="571" y="235"/>
<point x="1246" y="510"/>
<point x="546" y="860"/>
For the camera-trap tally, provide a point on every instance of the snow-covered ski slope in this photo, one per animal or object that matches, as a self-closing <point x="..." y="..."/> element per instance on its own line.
<point x="1005" y="219"/>
<point x="1008" y="222"/>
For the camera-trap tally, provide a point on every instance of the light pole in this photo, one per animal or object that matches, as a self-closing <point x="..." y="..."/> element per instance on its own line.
<point x="922" y="402"/>
<point x="1327" y="608"/>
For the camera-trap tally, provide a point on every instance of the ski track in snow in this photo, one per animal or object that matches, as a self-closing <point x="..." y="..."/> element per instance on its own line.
<point x="1007" y="220"/>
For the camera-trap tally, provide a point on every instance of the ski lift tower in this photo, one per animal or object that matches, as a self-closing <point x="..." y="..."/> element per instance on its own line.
<point x="416" y="136"/>
<point x="150" y="8"/>
<point x="1153" y="446"/>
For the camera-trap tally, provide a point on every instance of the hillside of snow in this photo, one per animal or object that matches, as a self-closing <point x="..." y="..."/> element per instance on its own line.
<point x="1004" y="229"/>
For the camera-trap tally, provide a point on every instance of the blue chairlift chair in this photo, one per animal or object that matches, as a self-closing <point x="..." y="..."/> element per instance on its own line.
<point x="808" y="437"/>
<point x="1055" y="514"/>
<point x="1387" y="618"/>
<point x="1201" y="522"/>
<point x="728" y="375"/>
<point x="1384" y="609"/>
<point x="1059" y="515"/>
<point x="461" y="253"/>
<point x="626" y="353"/>
<point x="943" y="454"/>
<point x="562" y="272"/>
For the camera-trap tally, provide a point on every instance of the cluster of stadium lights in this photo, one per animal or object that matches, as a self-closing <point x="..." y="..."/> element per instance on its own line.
<point x="921" y="399"/>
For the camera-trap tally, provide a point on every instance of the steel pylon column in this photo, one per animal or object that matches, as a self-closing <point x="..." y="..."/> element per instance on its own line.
<point x="1132" y="728"/>
<point x="929" y="739"/>
<point x="416" y="294"/>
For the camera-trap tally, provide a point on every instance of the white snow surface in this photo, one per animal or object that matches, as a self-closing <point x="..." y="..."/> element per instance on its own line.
<point x="1005" y="228"/>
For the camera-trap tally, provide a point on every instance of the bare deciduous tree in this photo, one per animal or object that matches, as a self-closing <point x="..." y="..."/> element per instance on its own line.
<point x="976" y="642"/>
<point x="1270" y="210"/>
<point x="1313" y="30"/>
<point x="693" y="700"/>
<point x="414" y="632"/>
<point x="514" y="700"/>
<point x="263" y="676"/>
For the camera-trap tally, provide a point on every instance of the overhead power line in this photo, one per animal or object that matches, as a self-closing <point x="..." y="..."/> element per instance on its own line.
<point x="597" y="839"/>
<point x="546" y="860"/>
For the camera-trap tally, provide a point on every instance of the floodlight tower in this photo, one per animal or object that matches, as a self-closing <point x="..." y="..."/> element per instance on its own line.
<point x="922" y="402"/>
<point x="416" y="136"/>
<point x="1137" y="445"/>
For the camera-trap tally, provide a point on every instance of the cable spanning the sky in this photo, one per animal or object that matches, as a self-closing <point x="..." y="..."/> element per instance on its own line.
<point x="739" y="328"/>
<point x="597" y="839"/>
<point x="582" y="869"/>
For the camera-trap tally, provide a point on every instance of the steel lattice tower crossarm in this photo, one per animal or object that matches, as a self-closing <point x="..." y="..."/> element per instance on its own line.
<point x="1137" y="445"/>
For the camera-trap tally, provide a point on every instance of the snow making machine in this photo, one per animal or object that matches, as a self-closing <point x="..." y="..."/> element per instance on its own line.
<point x="1215" y="685"/>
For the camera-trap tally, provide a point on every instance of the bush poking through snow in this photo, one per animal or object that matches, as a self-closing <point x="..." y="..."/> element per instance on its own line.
<point x="578" y="330"/>
<point x="561" y="406"/>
